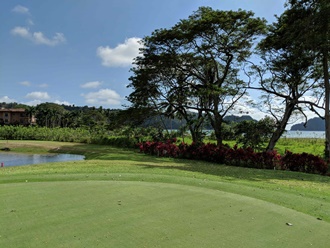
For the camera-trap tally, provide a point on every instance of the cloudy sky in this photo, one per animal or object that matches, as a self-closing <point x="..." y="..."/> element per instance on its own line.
<point x="80" y="51"/>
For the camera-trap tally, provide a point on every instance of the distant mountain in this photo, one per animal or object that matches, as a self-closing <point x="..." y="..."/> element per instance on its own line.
<point x="315" y="124"/>
<point x="177" y="124"/>
<point x="234" y="118"/>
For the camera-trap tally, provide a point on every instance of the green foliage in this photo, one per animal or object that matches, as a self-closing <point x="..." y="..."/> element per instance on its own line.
<point x="308" y="23"/>
<point x="194" y="66"/>
<point x="123" y="137"/>
<point x="43" y="133"/>
<point x="49" y="114"/>
<point x="254" y="134"/>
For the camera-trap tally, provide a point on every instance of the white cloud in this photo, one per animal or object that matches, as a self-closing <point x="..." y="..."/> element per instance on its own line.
<point x="38" y="37"/>
<point x="20" y="31"/>
<point x="62" y="102"/>
<point x="33" y="102"/>
<point x="6" y="99"/>
<point x="102" y="97"/>
<point x="37" y="95"/>
<point x="91" y="85"/>
<point x="38" y="101"/>
<point x="20" y="9"/>
<point x="120" y="56"/>
<point x="25" y="83"/>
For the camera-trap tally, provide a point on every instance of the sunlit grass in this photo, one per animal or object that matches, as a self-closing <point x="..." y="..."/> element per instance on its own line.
<point x="299" y="145"/>
<point x="160" y="202"/>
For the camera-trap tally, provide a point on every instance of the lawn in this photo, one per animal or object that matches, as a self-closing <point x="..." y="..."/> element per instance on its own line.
<point x="121" y="198"/>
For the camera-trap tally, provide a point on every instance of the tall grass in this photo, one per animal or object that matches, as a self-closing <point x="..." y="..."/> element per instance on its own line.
<point x="77" y="135"/>
<point x="313" y="146"/>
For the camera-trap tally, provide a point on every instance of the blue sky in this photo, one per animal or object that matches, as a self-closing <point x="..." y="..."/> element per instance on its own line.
<point x="80" y="51"/>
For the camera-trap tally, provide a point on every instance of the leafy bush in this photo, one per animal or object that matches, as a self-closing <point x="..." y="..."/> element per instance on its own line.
<point x="79" y="135"/>
<point x="162" y="149"/>
<point x="304" y="162"/>
<point x="244" y="157"/>
<point x="254" y="134"/>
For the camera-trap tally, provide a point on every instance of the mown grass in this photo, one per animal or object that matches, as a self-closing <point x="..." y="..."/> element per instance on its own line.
<point x="121" y="198"/>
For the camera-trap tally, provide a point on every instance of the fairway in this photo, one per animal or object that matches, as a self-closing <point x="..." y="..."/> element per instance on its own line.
<point x="121" y="198"/>
<point x="141" y="214"/>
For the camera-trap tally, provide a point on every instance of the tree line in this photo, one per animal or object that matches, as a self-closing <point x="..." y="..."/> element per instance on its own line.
<point x="54" y="115"/>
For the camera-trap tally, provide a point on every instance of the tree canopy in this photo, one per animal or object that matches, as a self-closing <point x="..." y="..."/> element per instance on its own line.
<point x="195" y="65"/>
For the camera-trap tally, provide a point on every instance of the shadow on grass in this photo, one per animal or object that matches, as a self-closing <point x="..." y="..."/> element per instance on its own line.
<point x="103" y="152"/>
<point x="232" y="173"/>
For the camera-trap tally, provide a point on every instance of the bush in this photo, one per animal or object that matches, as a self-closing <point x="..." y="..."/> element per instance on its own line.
<point x="244" y="157"/>
<point x="79" y="135"/>
<point x="254" y="134"/>
<point x="304" y="162"/>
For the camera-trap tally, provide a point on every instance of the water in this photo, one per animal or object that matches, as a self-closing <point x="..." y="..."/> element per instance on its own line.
<point x="304" y="134"/>
<point x="11" y="159"/>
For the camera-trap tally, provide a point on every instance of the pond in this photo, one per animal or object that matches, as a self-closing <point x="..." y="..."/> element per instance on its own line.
<point x="14" y="159"/>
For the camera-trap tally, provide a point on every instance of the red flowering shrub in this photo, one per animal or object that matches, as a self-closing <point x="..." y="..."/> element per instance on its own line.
<point x="235" y="156"/>
<point x="304" y="162"/>
<point x="241" y="157"/>
<point x="168" y="149"/>
<point x="269" y="160"/>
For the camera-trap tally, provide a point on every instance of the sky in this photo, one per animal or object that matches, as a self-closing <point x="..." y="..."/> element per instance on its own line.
<point x="79" y="52"/>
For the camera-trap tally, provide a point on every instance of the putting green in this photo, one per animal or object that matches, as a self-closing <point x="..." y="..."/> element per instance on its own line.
<point x="145" y="214"/>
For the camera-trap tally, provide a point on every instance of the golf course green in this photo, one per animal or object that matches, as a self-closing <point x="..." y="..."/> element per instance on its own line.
<point x="121" y="198"/>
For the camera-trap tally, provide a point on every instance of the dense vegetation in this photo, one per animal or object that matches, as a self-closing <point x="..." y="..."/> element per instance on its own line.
<point x="152" y="141"/>
<point x="242" y="157"/>
<point x="204" y="64"/>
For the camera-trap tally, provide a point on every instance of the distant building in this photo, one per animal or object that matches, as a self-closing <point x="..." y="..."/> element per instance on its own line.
<point x="15" y="117"/>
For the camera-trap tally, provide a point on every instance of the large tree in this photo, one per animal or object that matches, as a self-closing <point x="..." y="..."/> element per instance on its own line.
<point x="162" y="88"/>
<point x="195" y="65"/>
<point x="49" y="114"/>
<point x="288" y="73"/>
<point x="311" y="28"/>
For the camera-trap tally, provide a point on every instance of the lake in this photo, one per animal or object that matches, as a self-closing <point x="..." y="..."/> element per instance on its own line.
<point x="12" y="159"/>
<point x="304" y="134"/>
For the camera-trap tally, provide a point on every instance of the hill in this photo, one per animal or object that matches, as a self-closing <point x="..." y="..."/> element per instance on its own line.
<point x="234" y="118"/>
<point x="177" y="124"/>
<point x="314" y="124"/>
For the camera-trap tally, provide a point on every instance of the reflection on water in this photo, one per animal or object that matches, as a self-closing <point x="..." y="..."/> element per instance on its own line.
<point x="11" y="159"/>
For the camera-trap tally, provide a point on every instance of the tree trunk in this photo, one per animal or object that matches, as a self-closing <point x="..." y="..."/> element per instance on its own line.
<point x="216" y="123"/>
<point x="195" y="135"/>
<point x="324" y="20"/>
<point x="327" y="102"/>
<point x="280" y="127"/>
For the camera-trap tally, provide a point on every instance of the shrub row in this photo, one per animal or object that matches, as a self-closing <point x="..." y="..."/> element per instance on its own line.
<point x="43" y="133"/>
<point x="236" y="156"/>
<point x="79" y="135"/>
